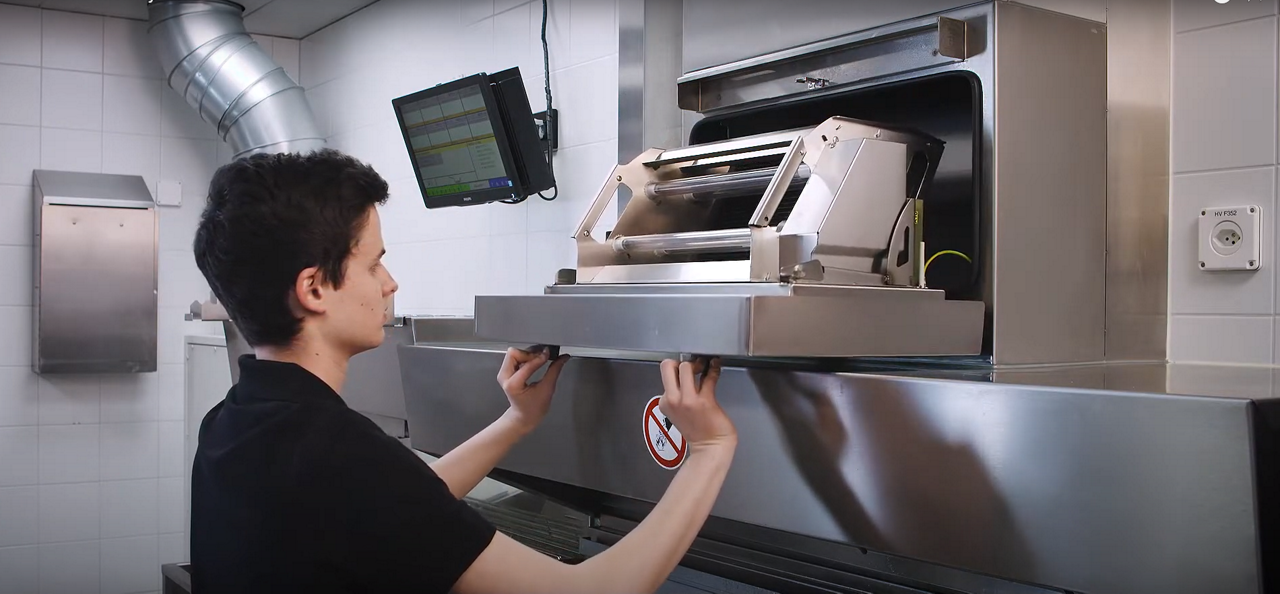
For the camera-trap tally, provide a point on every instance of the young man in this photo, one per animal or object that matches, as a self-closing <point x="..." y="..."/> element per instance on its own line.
<point x="294" y="492"/>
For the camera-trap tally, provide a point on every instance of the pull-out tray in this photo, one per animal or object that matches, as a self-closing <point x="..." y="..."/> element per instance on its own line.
<point x="746" y="319"/>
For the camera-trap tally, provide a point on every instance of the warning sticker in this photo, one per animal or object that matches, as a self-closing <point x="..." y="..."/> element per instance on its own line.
<point x="664" y="441"/>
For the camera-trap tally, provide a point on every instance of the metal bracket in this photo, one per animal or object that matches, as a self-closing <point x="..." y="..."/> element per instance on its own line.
<point x="953" y="38"/>
<point x="778" y="185"/>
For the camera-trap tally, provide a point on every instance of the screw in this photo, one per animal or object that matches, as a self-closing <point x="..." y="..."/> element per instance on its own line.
<point x="1202" y="213"/>
<point x="619" y="178"/>
<point x="1202" y="264"/>
<point x="1251" y="210"/>
<point x="1252" y="262"/>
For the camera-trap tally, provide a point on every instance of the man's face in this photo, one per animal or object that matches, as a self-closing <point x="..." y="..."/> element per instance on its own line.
<point x="356" y="312"/>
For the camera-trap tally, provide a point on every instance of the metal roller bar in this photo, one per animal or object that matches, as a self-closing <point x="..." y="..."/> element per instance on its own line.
<point x="729" y="240"/>
<point x="740" y="181"/>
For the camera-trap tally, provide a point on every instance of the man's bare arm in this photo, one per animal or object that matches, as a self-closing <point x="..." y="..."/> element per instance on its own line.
<point x="466" y="465"/>
<point x="642" y="560"/>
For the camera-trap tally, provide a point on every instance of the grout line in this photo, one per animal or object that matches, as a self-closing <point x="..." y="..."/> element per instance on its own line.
<point x="1237" y="169"/>
<point x="1222" y="25"/>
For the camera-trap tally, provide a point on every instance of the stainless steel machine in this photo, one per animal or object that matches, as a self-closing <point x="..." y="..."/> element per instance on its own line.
<point x="897" y="239"/>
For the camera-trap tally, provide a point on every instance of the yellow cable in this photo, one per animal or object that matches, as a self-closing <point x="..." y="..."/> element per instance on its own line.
<point x="952" y="252"/>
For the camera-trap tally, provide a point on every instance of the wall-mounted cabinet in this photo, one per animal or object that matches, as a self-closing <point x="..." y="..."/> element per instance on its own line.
<point x="95" y="274"/>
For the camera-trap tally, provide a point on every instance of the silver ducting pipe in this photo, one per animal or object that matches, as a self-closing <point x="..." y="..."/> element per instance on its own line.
<point x="210" y="59"/>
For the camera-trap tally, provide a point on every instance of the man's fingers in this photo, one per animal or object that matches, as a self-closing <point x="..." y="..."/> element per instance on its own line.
<point x="508" y="366"/>
<point x="670" y="379"/>
<point x="687" y="381"/>
<point x="553" y="372"/>
<point x="710" y="378"/>
<point x="527" y="369"/>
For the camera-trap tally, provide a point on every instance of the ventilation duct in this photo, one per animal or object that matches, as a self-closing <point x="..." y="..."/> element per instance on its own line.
<point x="210" y="59"/>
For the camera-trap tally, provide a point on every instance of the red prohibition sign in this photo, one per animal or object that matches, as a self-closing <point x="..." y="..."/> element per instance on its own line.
<point x="664" y="441"/>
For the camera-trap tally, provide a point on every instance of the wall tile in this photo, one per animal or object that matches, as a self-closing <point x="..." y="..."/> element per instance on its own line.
<point x="172" y="505"/>
<point x="16" y="225"/>
<point x="172" y="446"/>
<point x="129" y="565"/>
<point x="505" y="5"/>
<point x="71" y="100"/>
<point x="19" y="397"/>
<point x="1219" y="339"/>
<point x="130" y="105"/>
<point x="286" y="53"/>
<point x="1192" y="290"/>
<point x="19" y="35"/>
<point x="581" y="172"/>
<point x="546" y="253"/>
<point x="128" y="451"/>
<point x="181" y="282"/>
<point x="19" y="568"/>
<point x="190" y="161"/>
<point x="172" y="392"/>
<point x="19" y="508"/>
<point x="1196" y="14"/>
<point x="72" y="41"/>
<point x="178" y="225"/>
<point x="19" y="154"/>
<point x="474" y="10"/>
<point x="130" y="154"/>
<point x="19" y="95"/>
<point x="595" y="29"/>
<point x="507" y="265"/>
<point x="71" y="568"/>
<point x="129" y="508"/>
<point x="173" y="548"/>
<point x="69" y="512"/>
<point x="511" y="38"/>
<point x="67" y="454"/>
<point x="178" y="120"/>
<point x="71" y="150"/>
<point x="69" y="400"/>
<point x="128" y="51"/>
<point x="1224" y="117"/>
<point x="15" y="275"/>
<point x="15" y="321"/>
<point x="587" y="96"/>
<point x="19" y="462"/>
<point x="509" y="219"/>
<point x="130" y="398"/>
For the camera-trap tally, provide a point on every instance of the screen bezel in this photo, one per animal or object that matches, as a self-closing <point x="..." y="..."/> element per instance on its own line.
<point x="500" y="137"/>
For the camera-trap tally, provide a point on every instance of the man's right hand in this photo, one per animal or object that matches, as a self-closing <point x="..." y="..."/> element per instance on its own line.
<point x="690" y="402"/>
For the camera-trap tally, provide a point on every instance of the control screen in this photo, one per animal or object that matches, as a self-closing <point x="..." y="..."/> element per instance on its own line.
<point x="453" y="143"/>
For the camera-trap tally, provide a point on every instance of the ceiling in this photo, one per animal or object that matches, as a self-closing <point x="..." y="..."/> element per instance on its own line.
<point x="283" y="18"/>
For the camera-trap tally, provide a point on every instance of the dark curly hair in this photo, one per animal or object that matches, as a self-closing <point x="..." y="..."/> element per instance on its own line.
<point x="269" y="217"/>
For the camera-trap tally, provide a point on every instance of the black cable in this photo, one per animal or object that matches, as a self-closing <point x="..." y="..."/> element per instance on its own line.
<point x="546" y="79"/>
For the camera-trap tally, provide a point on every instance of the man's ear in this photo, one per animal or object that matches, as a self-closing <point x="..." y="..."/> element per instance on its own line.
<point x="309" y="291"/>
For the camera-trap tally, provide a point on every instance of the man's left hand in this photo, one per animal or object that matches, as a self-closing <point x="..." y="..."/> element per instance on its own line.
<point x="529" y="400"/>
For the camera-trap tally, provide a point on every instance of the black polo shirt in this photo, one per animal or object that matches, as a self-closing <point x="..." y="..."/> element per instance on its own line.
<point x="292" y="491"/>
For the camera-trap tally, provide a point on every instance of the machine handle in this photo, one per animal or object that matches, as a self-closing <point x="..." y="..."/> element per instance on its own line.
<point x="778" y="185"/>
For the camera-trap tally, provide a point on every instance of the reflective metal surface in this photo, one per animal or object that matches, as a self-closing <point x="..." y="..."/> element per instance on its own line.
<point x="649" y="48"/>
<point x="94" y="274"/>
<point x="851" y="322"/>
<point x="1109" y="484"/>
<point x="1139" y="55"/>
<point x="210" y="59"/>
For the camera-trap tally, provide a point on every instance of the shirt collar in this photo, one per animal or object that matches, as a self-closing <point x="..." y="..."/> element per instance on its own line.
<point x="275" y="380"/>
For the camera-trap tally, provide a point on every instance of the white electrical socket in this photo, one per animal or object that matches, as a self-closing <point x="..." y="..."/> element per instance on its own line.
<point x="1230" y="238"/>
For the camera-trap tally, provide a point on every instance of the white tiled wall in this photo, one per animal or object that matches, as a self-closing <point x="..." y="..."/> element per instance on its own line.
<point x="90" y="496"/>
<point x="1224" y="126"/>
<point x="443" y="258"/>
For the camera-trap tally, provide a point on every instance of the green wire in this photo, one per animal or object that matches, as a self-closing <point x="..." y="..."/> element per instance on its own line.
<point x="952" y="252"/>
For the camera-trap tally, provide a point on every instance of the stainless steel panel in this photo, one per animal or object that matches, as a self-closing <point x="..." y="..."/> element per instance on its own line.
<point x="94" y="285"/>
<point x="722" y="31"/>
<point x="1138" y="70"/>
<point x="1082" y="488"/>
<point x="875" y="322"/>
<point x="1050" y="202"/>
<point x="373" y="384"/>
<point x="649" y="36"/>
